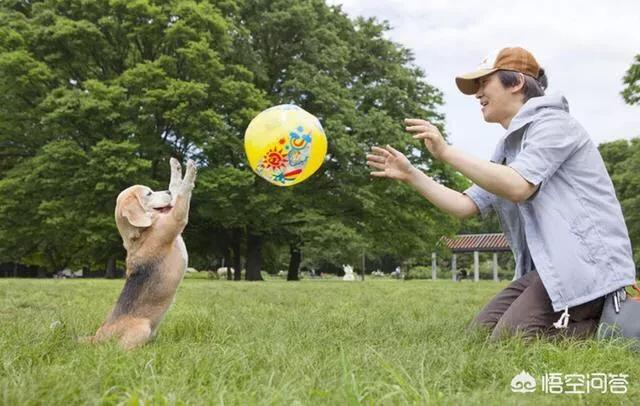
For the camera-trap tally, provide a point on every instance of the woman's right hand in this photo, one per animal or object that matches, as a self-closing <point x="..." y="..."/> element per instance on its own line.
<point x="389" y="163"/>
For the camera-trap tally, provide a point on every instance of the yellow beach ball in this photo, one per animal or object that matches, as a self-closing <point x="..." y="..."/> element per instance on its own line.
<point x="285" y="144"/>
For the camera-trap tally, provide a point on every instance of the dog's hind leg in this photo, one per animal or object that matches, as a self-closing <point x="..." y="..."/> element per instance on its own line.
<point x="104" y="333"/>
<point x="137" y="332"/>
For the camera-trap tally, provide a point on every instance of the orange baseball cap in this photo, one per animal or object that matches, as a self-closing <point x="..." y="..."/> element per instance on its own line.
<point x="514" y="59"/>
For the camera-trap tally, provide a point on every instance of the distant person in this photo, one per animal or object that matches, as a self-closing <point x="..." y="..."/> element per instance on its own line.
<point x="397" y="273"/>
<point x="549" y="186"/>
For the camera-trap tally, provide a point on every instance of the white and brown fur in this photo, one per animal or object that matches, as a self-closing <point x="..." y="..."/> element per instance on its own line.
<point x="150" y="224"/>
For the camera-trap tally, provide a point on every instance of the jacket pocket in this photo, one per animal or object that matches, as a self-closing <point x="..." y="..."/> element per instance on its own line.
<point x="583" y="228"/>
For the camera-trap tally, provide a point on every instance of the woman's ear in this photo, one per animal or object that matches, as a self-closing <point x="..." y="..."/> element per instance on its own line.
<point x="133" y="211"/>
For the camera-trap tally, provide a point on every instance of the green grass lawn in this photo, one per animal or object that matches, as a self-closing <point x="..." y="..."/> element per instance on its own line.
<point x="277" y="342"/>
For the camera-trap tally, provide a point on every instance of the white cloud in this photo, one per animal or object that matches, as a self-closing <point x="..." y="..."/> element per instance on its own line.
<point x="585" y="47"/>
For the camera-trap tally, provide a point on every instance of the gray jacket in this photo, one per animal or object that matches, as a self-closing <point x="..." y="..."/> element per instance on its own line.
<point x="572" y="228"/>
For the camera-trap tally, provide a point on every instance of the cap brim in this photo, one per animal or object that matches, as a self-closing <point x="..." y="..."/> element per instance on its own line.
<point x="468" y="84"/>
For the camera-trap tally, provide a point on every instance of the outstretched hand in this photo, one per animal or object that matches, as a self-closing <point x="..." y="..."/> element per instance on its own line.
<point x="389" y="163"/>
<point x="424" y="130"/>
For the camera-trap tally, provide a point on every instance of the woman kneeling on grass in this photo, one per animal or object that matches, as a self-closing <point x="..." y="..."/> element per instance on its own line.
<point x="550" y="188"/>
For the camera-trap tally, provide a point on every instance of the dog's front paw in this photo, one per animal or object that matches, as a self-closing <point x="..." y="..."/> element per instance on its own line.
<point x="192" y="171"/>
<point x="175" y="165"/>
<point x="176" y="171"/>
<point x="176" y="177"/>
<point x="190" y="175"/>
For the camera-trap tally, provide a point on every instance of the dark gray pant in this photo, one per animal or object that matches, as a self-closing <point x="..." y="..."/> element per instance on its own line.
<point x="524" y="308"/>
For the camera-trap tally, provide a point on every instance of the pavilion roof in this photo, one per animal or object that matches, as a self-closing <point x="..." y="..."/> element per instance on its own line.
<point x="477" y="242"/>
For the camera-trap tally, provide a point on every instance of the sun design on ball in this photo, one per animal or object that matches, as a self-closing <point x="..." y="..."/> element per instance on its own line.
<point x="274" y="159"/>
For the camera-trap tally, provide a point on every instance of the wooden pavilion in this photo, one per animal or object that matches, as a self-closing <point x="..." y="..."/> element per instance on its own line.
<point x="476" y="243"/>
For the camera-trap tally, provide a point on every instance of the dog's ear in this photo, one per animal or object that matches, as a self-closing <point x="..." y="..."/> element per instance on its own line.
<point x="133" y="211"/>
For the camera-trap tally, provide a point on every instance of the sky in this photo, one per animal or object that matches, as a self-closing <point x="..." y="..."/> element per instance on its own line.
<point x="584" y="46"/>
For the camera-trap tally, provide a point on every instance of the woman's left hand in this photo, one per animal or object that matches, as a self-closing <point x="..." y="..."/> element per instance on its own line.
<point x="424" y="130"/>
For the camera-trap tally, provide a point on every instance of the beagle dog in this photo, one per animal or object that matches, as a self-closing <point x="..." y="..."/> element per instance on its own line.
<point x="150" y="224"/>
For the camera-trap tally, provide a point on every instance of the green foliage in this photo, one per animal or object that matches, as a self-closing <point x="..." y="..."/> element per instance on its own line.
<point x="39" y="211"/>
<point x="622" y="159"/>
<point x="121" y="86"/>
<point x="631" y="93"/>
<point x="111" y="167"/>
<point x="58" y="206"/>
<point x="420" y="272"/>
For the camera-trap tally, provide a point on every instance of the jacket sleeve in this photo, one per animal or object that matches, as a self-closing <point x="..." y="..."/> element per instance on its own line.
<point x="483" y="199"/>
<point x="547" y="143"/>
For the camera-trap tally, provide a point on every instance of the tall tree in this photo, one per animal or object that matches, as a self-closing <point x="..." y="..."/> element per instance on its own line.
<point x="58" y="207"/>
<point x="360" y="85"/>
<point x="117" y="83"/>
<point x="159" y="74"/>
<point x="622" y="159"/>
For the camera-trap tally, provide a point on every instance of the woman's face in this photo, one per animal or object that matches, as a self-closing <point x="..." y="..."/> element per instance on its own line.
<point x="499" y="104"/>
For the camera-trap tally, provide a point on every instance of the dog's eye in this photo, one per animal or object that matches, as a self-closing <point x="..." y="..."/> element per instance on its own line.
<point x="149" y="193"/>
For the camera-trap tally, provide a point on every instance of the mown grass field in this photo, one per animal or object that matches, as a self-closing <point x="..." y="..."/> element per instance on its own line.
<point x="277" y="342"/>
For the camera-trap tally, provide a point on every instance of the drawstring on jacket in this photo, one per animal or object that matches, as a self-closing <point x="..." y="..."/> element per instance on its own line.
<point x="563" y="321"/>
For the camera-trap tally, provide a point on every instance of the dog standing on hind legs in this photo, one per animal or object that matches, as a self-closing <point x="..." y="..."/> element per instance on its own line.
<point x="150" y="224"/>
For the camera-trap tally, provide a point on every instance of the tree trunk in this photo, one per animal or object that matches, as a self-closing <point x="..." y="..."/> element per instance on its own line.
<point x="254" y="257"/>
<point x="110" y="273"/>
<point x="294" y="264"/>
<point x="237" y="255"/>
<point x="227" y="263"/>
